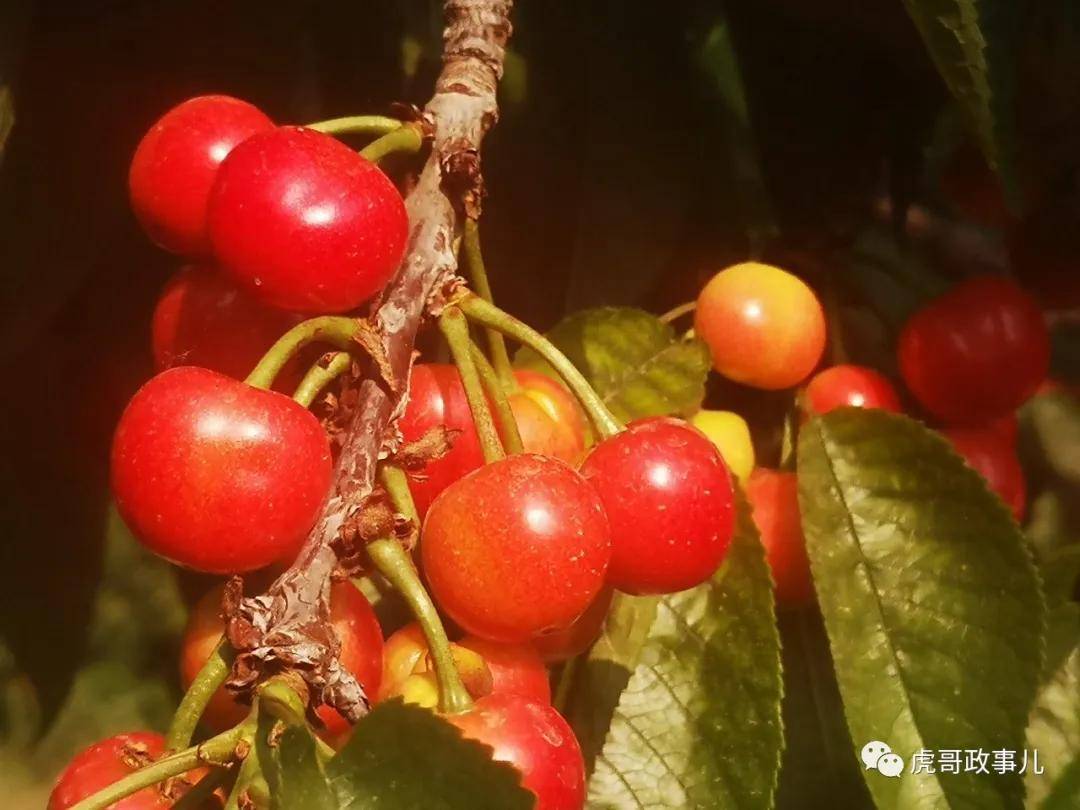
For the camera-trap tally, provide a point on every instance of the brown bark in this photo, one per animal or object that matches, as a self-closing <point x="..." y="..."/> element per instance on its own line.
<point x="288" y="627"/>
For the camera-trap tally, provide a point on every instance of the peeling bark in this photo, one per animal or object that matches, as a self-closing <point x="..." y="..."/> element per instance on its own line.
<point x="288" y="628"/>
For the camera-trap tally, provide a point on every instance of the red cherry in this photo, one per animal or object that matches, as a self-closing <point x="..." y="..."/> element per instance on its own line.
<point x="847" y="385"/>
<point x="216" y="475"/>
<point x="437" y="397"/>
<point x="668" y="496"/>
<point x="564" y="436"/>
<point x="764" y="326"/>
<point x="977" y="352"/>
<point x="106" y="762"/>
<point x="1007" y="426"/>
<point x="540" y="432"/>
<point x="578" y="637"/>
<point x="204" y="319"/>
<point x="176" y="163"/>
<point x="353" y="621"/>
<point x="516" y="669"/>
<point x="305" y="223"/>
<point x="993" y="456"/>
<point x="774" y="499"/>
<point x="516" y="548"/>
<point x="536" y="740"/>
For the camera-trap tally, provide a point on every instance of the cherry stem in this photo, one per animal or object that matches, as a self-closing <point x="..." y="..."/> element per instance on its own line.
<point x="197" y="797"/>
<point x="218" y="750"/>
<point x="321" y="375"/>
<point x="279" y="700"/>
<point x="396" y="484"/>
<point x="394" y="563"/>
<point x="455" y="329"/>
<point x="336" y="330"/>
<point x="496" y="395"/>
<point x="357" y="125"/>
<point x="487" y="314"/>
<point x="675" y="313"/>
<point x="406" y="138"/>
<point x="202" y="689"/>
<point x="474" y="260"/>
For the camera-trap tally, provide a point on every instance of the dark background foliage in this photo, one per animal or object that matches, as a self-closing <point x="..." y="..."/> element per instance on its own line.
<point x="620" y="173"/>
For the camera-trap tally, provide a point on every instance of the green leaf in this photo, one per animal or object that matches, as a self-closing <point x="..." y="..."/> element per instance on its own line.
<point x="293" y="771"/>
<point x="926" y="586"/>
<point x="971" y="43"/>
<point x="604" y="674"/>
<point x="698" y="724"/>
<point x="1054" y="731"/>
<point x="639" y="365"/>
<point x="1055" y="424"/>
<point x="402" y="756"/>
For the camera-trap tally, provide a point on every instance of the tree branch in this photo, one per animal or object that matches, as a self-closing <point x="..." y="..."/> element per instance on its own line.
<point x="288" y="626"/>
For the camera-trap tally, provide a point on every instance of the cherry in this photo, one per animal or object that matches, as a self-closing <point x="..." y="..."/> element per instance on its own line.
<point x="764" y="327"/>
<point x="540" y="432"/>
<point x="204" y="319"/>
<point x="536" y="740"/>
<point x="515" y="669"/>
<point x="437" y="397"/>
<point x="403" y="654"/>
<point x="176" y="163"/>
<point x="516" y="548"/>
<point x="1007" y="426"/>
<point x="669" y="499"/>
<point x="216" y="475"/>
<point x="977" y="352"/>
<point x="578" y="637"/>
<point x="566" y="438"/>
<point x="774" y="500"/>
<point x="108" y="761"/>
<point x="354" y="623"/>
<point x="306" y="223"/>
<point x="852" y="386"/>
<point x="993" y="456"/>
<point x="731" y="435"/>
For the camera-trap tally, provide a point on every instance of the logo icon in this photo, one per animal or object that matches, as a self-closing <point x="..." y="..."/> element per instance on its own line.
<point x="878" y="756"/>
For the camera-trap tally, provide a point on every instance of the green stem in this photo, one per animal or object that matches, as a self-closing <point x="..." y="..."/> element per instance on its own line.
<point x="336" y="330"/>
<point x="280" y="701"/>
<point x="565" y="684"/>
<point x="396" y="484"/>
<point x="487" y="314"/>
<point x="455" y="329"/>
<point x="206" y="683"/>
<point x="394" y="563"/>
<point x="675" y="313"/>
<point x="196" y="798"/>
<point x="319" y="376"/>
<point x="357" y="125"/>
<point x="474" y="259"/>
<point x="496" y="395"/>
<point x="217" y="750"/>
<point x="406" y="138"/>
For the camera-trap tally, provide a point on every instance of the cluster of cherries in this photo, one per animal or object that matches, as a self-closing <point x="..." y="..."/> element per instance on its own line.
<point x="227" y="477"/>
<point x="969" y="359"/>
<point x="522" y="554"/>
